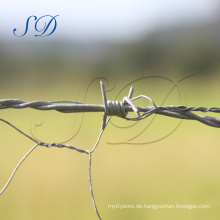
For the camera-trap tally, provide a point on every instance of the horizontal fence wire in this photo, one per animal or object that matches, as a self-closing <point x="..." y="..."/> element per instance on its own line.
<point x="109" y="108"/>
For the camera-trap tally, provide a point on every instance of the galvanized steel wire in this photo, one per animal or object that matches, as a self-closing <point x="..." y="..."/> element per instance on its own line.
<point x="109" y="108"/>
<point x="116" y="108"/>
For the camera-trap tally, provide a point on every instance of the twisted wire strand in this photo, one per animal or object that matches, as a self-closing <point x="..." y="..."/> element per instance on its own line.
<point x="28" y="153"/>
<point x="109" y="108"/>
<point x="55" y="145"/>
<point x="51" y="105"/>
<point x="120" y="109"/>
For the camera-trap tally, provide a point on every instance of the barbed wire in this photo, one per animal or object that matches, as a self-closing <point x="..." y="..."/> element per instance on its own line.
<point x="115" y="108"/>
<point x="110" y="108"/>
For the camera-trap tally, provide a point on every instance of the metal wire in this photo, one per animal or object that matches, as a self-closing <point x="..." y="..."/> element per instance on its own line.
<point x="17" y="166"/>
<point x="110" y="108"/>
<point x="120" y="109"/>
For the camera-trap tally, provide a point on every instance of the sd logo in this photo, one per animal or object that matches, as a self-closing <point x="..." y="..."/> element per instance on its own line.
<point x="48" y="21"/>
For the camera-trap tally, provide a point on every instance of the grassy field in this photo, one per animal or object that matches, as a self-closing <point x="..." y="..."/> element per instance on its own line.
<point x="131" y="165"/>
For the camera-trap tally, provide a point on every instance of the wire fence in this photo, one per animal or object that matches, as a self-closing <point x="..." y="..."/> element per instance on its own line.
<point x="109" y="109"/>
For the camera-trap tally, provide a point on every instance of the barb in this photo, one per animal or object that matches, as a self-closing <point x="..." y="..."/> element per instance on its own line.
<point x="109" y="108"/>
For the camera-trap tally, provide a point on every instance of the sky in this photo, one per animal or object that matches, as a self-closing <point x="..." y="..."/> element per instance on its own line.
<point x="88" y="20"/>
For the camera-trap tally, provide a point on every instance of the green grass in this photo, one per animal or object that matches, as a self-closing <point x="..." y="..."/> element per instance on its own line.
<point x="53" y="183"/>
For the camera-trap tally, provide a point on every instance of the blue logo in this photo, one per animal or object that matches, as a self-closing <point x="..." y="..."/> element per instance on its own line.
<point x="48" y="21"/>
